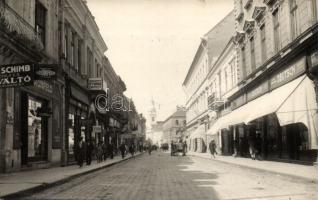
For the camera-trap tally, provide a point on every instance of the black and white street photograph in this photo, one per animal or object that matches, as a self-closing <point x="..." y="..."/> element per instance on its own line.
<point x="158" y="99"/>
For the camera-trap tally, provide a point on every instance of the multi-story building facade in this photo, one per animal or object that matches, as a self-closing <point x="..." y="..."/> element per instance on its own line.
<point x="174" y="127"/>
<point x="223" y="79"/>
<point x="81" y="56"/>
<point x="45" y="117"/>
<point x="31" y="119"/>
<point x="196" y="83"/>
<point x="275" y="108"/>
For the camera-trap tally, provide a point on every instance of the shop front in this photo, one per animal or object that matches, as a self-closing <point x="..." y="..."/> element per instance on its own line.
<point x="78" y="121"/>
<point x="37" y="126"/>
<point x="197" y="139"/>
<point x="278" y="118"/>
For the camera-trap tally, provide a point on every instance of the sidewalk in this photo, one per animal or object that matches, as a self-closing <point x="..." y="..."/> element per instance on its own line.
<point x="26" y="181"/>
<point x="308" y="173"/>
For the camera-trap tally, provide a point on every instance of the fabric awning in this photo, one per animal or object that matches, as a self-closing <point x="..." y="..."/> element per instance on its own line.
<point x="264" y="105"/>
<point x="301" y="107"/>
<point x="198" y="133"/>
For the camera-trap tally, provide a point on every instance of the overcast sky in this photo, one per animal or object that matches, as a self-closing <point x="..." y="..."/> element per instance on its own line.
<point x="151" y="44"/>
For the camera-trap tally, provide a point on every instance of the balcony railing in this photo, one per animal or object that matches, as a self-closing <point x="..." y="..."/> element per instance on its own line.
<point x="18" y="28"/>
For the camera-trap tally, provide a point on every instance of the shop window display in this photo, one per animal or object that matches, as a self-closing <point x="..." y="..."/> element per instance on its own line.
<point x="71" y="139"/>
<point x="36" y="141"/>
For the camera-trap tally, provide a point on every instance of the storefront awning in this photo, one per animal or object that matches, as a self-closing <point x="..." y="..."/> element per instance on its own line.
<point x="264" y="105"/>
<point x="301" y="107"/>
<point x="198" y="133"/>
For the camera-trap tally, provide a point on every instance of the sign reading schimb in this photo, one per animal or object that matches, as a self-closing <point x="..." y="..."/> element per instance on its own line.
<point x="16" y="75"/>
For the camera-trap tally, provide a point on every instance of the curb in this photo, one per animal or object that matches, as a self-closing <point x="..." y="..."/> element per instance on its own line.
<point x="44" y="186"/>
<point x="310" y="180"/>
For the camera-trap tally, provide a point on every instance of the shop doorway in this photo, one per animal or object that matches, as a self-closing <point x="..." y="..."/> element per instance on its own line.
<point x="34" y="129"/>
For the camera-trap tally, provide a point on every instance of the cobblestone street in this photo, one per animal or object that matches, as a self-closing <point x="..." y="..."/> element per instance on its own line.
<point x="161" y="176"/>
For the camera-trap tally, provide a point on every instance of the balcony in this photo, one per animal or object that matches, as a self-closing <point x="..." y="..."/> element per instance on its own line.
<point x="214" y="102"/>
<point x="18" y="28"/>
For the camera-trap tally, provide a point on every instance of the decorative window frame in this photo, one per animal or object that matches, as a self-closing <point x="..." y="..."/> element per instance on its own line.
<point x="248" y="4"/>
<point x="249" y="27"/>
<point x="259" y="15"/>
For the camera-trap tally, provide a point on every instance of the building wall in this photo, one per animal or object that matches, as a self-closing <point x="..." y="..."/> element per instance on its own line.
<point x="305" y="18"/>
<point x="26" y="45"/>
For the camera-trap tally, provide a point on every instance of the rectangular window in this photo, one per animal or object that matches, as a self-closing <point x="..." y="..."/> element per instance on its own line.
<point x="293" y="18"/>
<point x="314" y="10"/>
<point x="65" y="45"/>
<point x="79" y="55"/>
<point x="40" y="21"/>
<point x="263" y="44"/>
<point x="72" y="53"/>
<point x="89" y="63"/>
<point x="276" y="31"/>
<point x="252" y="47"/>
<point x="233" y="72"/>
<point x="243" y="56"/>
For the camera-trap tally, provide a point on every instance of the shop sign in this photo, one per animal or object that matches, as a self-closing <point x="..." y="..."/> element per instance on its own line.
<point x="46" y="72"/>
<point x="238" y="102"/>
<point x="257" y="91"/>
<point x="16" y="75"/>
<point x="44" y="85"/>
<point x="97" y="129"/>
<point x="288" y="74"/>
<point x="84" y="122"/>
<point x="95" y="84"/>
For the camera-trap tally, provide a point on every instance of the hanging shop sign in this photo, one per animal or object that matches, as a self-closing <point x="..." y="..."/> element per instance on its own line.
<point x="288" y="74"/>
<point x="97" y="129"/>
<point x="16" y="75"/>
<point x="45" y="71"/>
<point x="85" y="122"/>
<point x="95" y="84"/>
<point x="44" y="86"/>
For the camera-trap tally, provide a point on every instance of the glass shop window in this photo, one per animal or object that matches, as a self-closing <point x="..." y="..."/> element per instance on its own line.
<point x="37" y="132"/>
<point x="71" y="139"/>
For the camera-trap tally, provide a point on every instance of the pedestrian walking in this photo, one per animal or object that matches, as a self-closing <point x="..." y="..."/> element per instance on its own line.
<point x="251" y="146"/>
<point x="212" y="147"/>
<point x="80" y="152"/>
<point x="89" y="151"/>
<point x="104" y="147"/>
<point x="122" y="149"/>
<point x="132" y="150"/>
<point x="184" y="148"/>
<point x="110" y="150"/>
<point x="149" y="148"/>
<point x="99" y="152"/>
<point x="258" y="146"/>
<point x="172" y="148"/>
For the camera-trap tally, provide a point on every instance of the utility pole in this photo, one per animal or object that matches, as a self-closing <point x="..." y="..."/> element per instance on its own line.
<point x="3" y="121"/>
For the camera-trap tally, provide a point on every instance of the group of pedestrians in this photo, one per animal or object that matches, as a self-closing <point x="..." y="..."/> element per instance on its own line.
<point x="124" y="149"/>
<point x="86" y="151"/>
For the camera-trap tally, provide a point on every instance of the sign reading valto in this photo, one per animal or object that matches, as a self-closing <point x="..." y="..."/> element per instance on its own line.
<point x="16" y="75"/>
